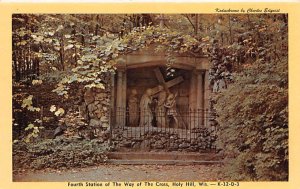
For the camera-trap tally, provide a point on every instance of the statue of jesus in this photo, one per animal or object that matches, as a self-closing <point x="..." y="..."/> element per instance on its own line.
<point x="160" y="111"/>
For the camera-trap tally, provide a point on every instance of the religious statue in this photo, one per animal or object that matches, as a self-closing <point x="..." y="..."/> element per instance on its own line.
<point x="160" y="112"/>
<point x="170" y="105"/>
<point x="145" y="110"/>
<point x="133" y="108"/>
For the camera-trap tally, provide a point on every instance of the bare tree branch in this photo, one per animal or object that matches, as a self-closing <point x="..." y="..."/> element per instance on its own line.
<point x="187" y="16"/>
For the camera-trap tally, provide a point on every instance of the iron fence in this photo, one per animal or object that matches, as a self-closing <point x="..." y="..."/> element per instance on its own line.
<point x="183" y="122"/>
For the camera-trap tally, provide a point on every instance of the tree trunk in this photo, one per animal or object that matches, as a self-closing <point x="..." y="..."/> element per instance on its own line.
<point x="230" y="31"/>
<point x="62" y="53"/>
<point x="196" y="24"/>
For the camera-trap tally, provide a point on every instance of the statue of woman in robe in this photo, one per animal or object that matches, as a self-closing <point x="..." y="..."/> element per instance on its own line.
<point x="133" y="108"/>
<point x="145" y="110"/>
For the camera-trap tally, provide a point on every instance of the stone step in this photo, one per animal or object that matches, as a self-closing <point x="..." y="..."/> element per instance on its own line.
<point x="164" y="158"/>
<point x="161" y="162"/>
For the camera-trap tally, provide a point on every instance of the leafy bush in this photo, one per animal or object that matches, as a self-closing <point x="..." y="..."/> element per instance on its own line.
<point x="59" y="153"/>
<point x="253" y="119"/>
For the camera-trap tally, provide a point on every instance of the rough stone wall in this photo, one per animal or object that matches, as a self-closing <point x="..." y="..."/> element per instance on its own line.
<point x="203" y="141"/>
<point x="95" y="107"/>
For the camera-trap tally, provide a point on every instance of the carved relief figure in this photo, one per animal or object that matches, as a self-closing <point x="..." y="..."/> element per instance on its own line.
<point x="146" y="114"/>
<point x="160" y="111"/>
<point x="171" y="109"/>
<point x="133" y="108"/>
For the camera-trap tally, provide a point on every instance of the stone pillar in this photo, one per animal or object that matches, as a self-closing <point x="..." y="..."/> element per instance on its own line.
<point x="193" y="100"/>
<point x="206" y="99"/>
<point x="121" y="98"/>
<point x="196" y="99"/>
<point x="123" y="102"/>
<point x="200" y="99"/>
<point x="112" y="111"/>
<point x="193" y="92"/>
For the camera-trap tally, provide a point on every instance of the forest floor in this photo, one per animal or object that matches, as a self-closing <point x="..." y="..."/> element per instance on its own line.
<point x="110" y="172"/>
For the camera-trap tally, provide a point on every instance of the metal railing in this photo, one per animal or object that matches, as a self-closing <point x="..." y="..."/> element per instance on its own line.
<point x="183" y="122"/>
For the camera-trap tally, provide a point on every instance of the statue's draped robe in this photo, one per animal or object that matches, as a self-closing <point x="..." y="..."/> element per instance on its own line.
<point x="160" y="111"/>
<point x="145" y="111"/>
<point x="133" y="110"/>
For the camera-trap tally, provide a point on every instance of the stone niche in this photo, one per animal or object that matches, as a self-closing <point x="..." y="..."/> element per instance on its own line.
<point x="141" y="79"/>
<point x="141" y="71"/>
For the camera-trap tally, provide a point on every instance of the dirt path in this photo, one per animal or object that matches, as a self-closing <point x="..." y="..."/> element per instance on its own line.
<point x="126" y="173"/>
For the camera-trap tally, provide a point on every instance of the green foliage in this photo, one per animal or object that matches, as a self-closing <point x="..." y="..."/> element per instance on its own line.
<point x="253" y="110"/>
<point x="101" y="56"/>
<point x="58" y="154"/>
<point x="253" y="118"/>
<point x="37" y="82"/>
<point x="27" y="103"/>
<point x="58" y="111"/>
<point x="86" y="47"/>
<point x="33" y="131"/>
<point x="172" y="42"/>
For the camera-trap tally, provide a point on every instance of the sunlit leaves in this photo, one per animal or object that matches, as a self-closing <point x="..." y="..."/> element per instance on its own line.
<point x="27" y="102"/>
<point x="95" y="60"/>
<point x="61" y="89"/>
<point x="31" y="108"/>
<point x="30" y="126"/>
<point x="70" y="46"/>
<point x="38" y="38"/>
<point x="36" y="82"/>
<point x="52" y="108"/>
<point x="60" y="27"/>
<point x="51" y="33"/>
<point x="59" y="112"/>
<point x="93" y="85"/>
<point x="33" y="132"/>
<point x="73" y="78"/>
<point x="167" y="41"/>
<point x="88" y="57"/>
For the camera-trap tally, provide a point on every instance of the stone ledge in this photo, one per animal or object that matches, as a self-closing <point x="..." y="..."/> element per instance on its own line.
<point x="168" y="156"/>
<point x="161" y="162"/>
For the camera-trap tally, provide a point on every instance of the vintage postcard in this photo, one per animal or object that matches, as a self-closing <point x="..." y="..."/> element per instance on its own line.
<point x="149" y="95"/>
